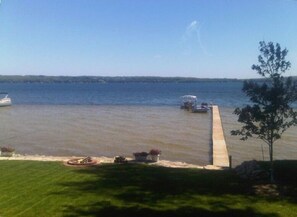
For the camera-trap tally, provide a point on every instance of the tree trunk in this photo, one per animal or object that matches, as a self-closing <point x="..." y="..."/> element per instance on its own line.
<point x="271" y="162"/>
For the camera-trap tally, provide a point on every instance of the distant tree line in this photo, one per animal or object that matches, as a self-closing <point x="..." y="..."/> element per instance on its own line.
<point x="104" y="79"/>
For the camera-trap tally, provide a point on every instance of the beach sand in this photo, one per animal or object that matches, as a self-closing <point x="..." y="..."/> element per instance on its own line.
<point x="108" y="160"/>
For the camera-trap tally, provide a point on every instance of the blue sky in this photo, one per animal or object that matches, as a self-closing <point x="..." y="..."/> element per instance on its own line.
<point x="201" y="38"/>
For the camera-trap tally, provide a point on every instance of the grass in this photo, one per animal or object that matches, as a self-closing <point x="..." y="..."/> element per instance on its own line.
<point x="30" y="188"/>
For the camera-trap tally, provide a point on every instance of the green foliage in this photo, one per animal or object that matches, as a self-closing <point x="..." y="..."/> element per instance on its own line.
<point x="30" y="188"/>
<point x="270" y="114"/>
<point x="272" y="61"/>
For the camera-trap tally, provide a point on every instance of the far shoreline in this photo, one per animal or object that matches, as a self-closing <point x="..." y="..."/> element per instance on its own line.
<point x="108" y="79"/>
<point x="115" y="79"/>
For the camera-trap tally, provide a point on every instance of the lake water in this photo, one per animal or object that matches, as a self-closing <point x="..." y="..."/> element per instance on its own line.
<point x="122" y="118"/>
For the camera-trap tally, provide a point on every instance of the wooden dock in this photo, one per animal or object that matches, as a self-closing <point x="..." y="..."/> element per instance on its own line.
<point x="220" y="155"/>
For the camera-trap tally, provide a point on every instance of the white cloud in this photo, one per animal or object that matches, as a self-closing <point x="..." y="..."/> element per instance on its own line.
<point x="192" y="35"/>
<point x="193" y="26"/>
<point x="192" y="31"/>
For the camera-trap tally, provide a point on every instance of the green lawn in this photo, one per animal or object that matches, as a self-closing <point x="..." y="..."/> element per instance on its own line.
<point x="30" y="188"/>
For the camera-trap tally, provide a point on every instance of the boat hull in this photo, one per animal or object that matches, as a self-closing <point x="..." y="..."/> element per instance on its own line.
<point x="5" y="102"/>
<point x="200" y="110"/>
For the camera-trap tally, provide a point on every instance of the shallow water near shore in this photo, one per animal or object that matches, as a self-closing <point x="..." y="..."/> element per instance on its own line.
<point x="284" y="148"/>
<point x="81" y="130"/>
<point x="106" y="131"/>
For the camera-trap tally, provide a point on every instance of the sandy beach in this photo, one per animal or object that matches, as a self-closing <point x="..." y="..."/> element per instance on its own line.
<point x="108" y="160"/>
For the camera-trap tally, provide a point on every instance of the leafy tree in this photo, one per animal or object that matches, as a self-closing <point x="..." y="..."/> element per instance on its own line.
<point x="270" y="113"/>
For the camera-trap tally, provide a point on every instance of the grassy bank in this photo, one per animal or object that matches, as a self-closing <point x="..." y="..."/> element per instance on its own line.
<point x="30" y="188"/>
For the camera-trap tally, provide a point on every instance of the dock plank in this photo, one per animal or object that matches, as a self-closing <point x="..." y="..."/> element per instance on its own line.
<point x="220" y="152"/>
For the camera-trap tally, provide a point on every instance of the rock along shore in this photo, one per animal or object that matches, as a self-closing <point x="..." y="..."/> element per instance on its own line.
<point x="164" y="163"/>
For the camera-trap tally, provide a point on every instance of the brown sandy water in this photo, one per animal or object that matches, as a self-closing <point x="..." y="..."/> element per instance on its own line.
<point x="121" y="130"/>
<point x="285" y="148"/>
<point x="106" y="131"/>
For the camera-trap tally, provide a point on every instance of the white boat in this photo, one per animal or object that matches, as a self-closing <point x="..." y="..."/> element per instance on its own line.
<point x="5" y="101"/>
<point x="188" y="102"/>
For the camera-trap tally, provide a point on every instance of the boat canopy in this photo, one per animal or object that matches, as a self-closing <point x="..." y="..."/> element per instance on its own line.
<point x="189" y="98"/>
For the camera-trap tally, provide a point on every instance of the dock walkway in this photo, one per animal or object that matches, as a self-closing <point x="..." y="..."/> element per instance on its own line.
<point x="220" y="155"/>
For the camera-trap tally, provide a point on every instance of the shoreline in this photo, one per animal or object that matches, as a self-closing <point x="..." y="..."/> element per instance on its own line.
<point x="108" y="160"/>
